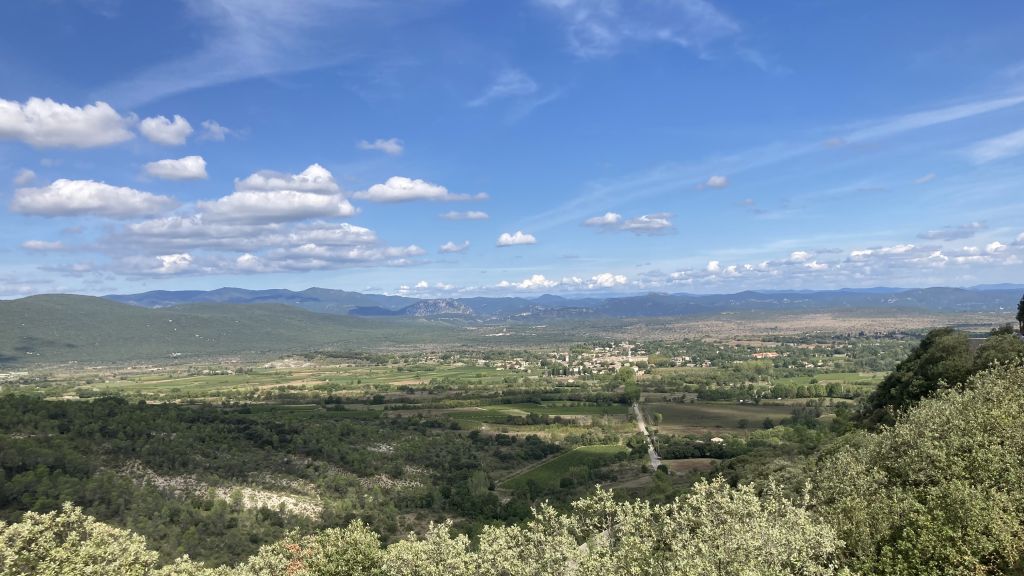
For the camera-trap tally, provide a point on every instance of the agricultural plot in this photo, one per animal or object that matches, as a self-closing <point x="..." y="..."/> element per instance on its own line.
<point x="548" y="475"/>
<point x="712" y="417"/>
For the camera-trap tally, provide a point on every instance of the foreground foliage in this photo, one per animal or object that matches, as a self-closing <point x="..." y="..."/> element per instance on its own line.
<point x="716" y="530"/>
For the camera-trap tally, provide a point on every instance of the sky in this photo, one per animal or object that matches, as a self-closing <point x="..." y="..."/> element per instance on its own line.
<point x="446" y="148"/>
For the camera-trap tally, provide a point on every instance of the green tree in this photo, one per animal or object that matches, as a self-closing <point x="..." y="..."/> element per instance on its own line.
<point x="939" y="493"/>
<point x="942" y="359"/>
<point x="1020" y="314"/>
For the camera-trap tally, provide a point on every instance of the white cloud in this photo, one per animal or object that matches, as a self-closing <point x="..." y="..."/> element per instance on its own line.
<point x="196" y="232"/>
<point x="897" y="249"/>
<point x="1020" y="239"/>
<point x="44" y="123"/>
<point x="160" y="130"/>
<point x="24" y="177"/>
<point x="276" y="206"/>
<point x="713" y="266"/>
<point x="212" y="130"/>
<point x="646" y="224"/>
<point x="468" y="215"/>
<point x="391" y="146"/>
<point x="649" y="224"/>
<point x="422" y="284"/>
<point x="608" y="219"/>
<point x="42" y="245"/>
<point x="607" y="280"/>
<point x="716" y="182"/>
<point x="925" y="179"/>
<point x="995" y="247"/>
<point x="173" y="263"/>
<point x="453" y="248"/>
<point x="532" y="283"/>
<point x="510" y="82"/>
<point x="402" y="189"/>
<point x="517" y="239"/>
<point x="799" y="256"/>
<point x="314" y="178"/>
<point x="1004" y="146"/>
<point x="599" y="28"/>
<point x="187" y="168"/>
<point x="815" y="265"/>
<point x="81" y="197"/>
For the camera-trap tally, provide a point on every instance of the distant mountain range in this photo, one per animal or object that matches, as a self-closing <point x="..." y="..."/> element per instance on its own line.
<point x="989" y="298"/>
<point x="193" y="325"/>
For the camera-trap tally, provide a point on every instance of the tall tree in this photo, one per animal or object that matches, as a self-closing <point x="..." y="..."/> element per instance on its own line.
<point x="1020" y="314"/>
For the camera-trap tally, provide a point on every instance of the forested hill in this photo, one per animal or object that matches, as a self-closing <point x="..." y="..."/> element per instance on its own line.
<point x="979" y="299"/>
<point x="62" y="328"/>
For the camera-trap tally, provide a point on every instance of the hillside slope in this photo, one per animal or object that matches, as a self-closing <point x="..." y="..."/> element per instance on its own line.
<point x="62" y="328"/>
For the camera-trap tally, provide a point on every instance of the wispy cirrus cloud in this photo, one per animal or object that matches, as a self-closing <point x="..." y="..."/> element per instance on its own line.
<point x="601" y="28"/>
<point x="953" y="232"/>
<point x="998" y="148"/>
<point x="241" y="39"/>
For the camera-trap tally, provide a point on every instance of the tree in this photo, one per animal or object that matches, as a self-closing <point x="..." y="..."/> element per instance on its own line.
<point x="941" y="492"/>
<point x="1020" y="314"/>
<point x="942" y="359"/>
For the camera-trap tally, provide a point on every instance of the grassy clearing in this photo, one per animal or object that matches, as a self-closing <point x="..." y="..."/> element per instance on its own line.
<point x="548" y="474"/>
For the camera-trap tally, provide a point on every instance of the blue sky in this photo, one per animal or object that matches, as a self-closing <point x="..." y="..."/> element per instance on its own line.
<point x="455" y="147"/>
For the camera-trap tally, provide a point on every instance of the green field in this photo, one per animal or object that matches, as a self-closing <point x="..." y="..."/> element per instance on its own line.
<point x="549" y="474"/>
<point x="712" y="417"/>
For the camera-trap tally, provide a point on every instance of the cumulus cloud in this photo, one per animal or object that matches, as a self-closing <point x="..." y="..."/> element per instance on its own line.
<point x="161" y="130"/>
<point x="44" y="123"/>
<point x="173" y="263"/>
<point x="517" y="239"/>
<point x="815" y="265"/>
<point x="608" y="219"/>
<point x="315" y="179"/>
<point x="212" y="130"/>
<point x="187" y="168"/>
<point x="713" y="266"/>
<point x="997" y="148"/>
<point x="953" y="232"/>
<point x="799" y="256"/>
<point x="468" y="215"/>
<point x="24" y="177"/>
<point x="453" y="248"/>
<point x="995" y="247"/>
<point x="87" y="197"/>
<point x="42" y="245"/>
<point x="402" y="189"/>
<point x="192" y="232"/>
<point x="391" y="146"/>
<point x="508" y="83"/>
<point x="607" y="280"/>
<point x="276" y="206"/>
<point x="532" y="283"/>
<point x="716" y="182"/>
